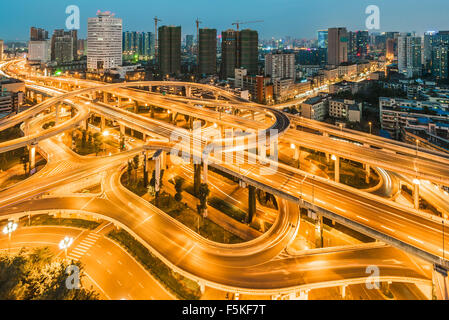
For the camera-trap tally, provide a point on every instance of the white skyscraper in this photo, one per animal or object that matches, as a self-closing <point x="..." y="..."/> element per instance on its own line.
<point x="409" y="55"/>
<point x="280" y="66"/>
<point x="104" y="42"/>
<point x="39" y="51"/>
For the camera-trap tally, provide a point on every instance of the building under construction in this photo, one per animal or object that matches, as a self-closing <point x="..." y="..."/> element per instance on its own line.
<point x="240" y="49"/>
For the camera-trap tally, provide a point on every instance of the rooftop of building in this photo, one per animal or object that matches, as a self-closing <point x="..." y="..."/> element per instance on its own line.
<point x="9" y="81"/>
<point x="313" y="100"/>
<point x="354" y="107"/>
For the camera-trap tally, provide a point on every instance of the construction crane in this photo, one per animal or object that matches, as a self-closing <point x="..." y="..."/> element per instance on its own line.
<point x="238" y="23"/>
<point x="156" y="20"/>
<point x="198" y="22"/>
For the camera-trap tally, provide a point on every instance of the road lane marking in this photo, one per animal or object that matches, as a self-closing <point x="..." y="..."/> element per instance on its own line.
<point x="141" y="286"/>
<point x="119" y="262"/>
<point x="185" y="254"/>
<point x="417" y="240"/>
<point x="120" y="284"/>
<point x="363" y="218"/>
<point x="389" y="229"/>
<point x="91" y="279"/>
<point x="102" y="228"/>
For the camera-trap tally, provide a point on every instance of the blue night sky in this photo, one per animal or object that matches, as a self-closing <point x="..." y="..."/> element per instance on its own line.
<point x="297" y="18"/>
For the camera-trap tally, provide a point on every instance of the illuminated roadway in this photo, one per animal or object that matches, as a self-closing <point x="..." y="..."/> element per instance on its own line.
<point x="257" y="257"/>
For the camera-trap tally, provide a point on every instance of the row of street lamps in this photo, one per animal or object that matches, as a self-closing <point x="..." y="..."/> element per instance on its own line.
<point x="64" y="244"/>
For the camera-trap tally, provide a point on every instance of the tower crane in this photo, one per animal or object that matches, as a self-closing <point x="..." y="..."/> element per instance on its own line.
<point x="238" y="23"/>
<point x="198" y="22"/>
<point x="156" y="45"/>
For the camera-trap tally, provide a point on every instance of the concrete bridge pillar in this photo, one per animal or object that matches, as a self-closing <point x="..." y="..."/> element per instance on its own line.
<point x="122" y="129"/>
<point x="136" y="107"/>
<point x="368" y="172"/>
<point x="440" y="283"/>
<point x="145" y="169"/>
<point x="343" y="292"/>
<point x="337" y="168"/>
<point x="205" y="170"/>
<point x="319" y="232"/>
<point x="296" y="148"/>
<point x="385" y="287"/>
<point x="196" y="178"/>
<point x="26" y="126"/>
<point x="32" y="155"/>
<point x="158" y="174"/>
<point x="252" y="205"/>
<point x="102" y="123"/>
<point x="252" y="115"/>
<point x="173" y="119"/>
<point x="416" y="194"/>
<point x="188" y="91"/>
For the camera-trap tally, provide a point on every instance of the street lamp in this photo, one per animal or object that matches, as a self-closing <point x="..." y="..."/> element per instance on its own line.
<point x="417" y="143"/>
<point x="65" y="243"/>
<point x="370" y="127"/>
<point x="10" y="228"/>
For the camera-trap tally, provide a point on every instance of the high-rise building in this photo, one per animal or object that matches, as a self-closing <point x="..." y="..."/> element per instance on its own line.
<point x="228" y="53"/>
<point x="440" y="62"/>
<point x="391" y="48"/>
<point x="208" y="51"/>
<point x="189" y="43"/>
<point x="1" y="50"/>
<point x="358" y="43"/>
<point x="322" y="39"/>
<point x="280" y="66"/>
<point x="38" y="34"/>
<point x="39" y="51"/>
<point x="409" y="55"/>
<point x="248" y="51"/>
<point x="104" y="42"/>
<point x="239" y="49"/>
<point x="169" y="50"/>
<point x="138" y="44"/>
<point x="429" y="40"/>
<point x="39" y="47"/>
<point x="148" y="45"/>
<point x="64" y="46"/>
<point x="337" y="51"/>
<point x="82" y="47"/>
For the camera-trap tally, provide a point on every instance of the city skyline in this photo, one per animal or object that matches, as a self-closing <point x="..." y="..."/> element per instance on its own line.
<point x="299" y="20"/>
<point x="287" y="154"/>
